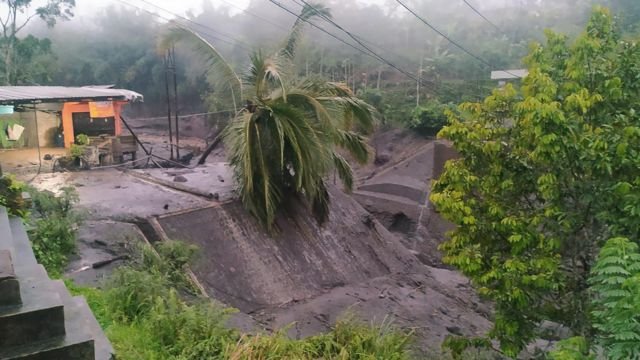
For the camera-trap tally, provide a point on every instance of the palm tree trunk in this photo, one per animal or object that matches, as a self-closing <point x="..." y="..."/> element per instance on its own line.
<point x="214" y="144"/>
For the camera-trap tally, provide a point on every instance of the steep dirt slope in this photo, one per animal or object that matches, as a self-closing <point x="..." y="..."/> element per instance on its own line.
<point x="311" y="275"/>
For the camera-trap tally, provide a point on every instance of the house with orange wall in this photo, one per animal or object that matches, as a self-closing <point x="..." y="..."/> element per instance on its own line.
<point x="51" y="117"/>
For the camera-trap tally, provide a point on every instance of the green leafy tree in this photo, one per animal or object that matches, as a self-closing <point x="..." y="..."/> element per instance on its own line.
<point x="285" y="139"/>
<point x="547" y="174"/>
<point x="17" y="15"/>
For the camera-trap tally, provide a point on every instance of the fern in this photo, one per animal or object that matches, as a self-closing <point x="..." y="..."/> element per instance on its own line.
<point x="615" y="282"/>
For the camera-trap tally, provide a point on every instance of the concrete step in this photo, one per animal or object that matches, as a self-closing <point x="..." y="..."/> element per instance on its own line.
<point x="103" y="348"/>
<point x="6" y="240"/>
<point x="22" y="254"/>
<point x="9" y="285"/>
<point x="40" y="317"/>
<point x="77" y="308"/>
<point x="406" y="187"/>
<point x="399" y="199"/>
<point x="69" y="347"/>
<point x="379" y="202"/>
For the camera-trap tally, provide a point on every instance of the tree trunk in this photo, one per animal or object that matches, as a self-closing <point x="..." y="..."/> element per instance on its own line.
<point x="214" y="144"/>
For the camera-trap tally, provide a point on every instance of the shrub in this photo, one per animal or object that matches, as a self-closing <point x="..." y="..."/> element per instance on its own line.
<point x="11" y="196"/>
<point x="429" y="119"/>
<point x="82" y="139"/>
<point x="52" y="229"/>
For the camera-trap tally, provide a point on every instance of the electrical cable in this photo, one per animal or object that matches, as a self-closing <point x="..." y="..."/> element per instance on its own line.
<point x="209" y="34"/>
<point x="371" y="54"/>
<point x="453" y="42"/>
<point x="222" y="33"/>
<point x="481" y="15"/>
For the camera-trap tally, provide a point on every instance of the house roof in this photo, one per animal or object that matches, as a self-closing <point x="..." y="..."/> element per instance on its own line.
<point x="14" y="95"/>
<point x="509" y="74"/>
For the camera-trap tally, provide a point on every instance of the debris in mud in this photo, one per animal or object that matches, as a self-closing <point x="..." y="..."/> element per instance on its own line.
<point x="180" y="178"/>
<point x="454" y="330"/>
<point x="382" y="158"/>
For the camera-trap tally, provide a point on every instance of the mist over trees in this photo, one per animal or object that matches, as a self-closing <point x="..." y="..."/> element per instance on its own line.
<point x="119" y="46"/>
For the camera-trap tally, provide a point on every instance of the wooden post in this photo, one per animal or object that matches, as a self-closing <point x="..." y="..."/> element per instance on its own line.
<point x="166" y="83"/>
<point x="175" y="96"/>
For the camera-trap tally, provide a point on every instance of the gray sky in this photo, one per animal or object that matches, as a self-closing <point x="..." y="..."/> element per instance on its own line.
<point x="180" y="7"/>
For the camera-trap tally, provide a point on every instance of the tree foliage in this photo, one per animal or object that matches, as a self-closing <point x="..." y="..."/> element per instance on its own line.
<point x="284" y="140"/>
<point x="547" y="173"/>
<point x="616" y="286"/>
<point x="19" y="14"/>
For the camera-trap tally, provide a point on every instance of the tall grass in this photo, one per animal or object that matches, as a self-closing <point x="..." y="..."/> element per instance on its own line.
<point x="145" y="318"/>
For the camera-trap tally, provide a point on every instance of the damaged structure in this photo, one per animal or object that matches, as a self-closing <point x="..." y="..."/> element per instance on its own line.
<point x="39" y="123"/>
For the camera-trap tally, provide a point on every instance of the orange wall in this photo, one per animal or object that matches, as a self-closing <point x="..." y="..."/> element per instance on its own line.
<point x="73" y="107"/>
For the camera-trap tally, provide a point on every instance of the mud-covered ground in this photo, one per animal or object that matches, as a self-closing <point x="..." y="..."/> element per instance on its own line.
<point x="303" y="288"/>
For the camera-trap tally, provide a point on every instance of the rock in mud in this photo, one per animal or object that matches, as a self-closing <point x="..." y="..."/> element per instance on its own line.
<point x="180" y="178"/>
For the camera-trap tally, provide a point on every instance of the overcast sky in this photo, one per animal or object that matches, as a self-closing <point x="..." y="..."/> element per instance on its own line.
<point x="180" y="7"/>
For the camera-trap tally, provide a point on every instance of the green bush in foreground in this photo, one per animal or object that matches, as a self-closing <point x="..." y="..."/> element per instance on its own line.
<point x="52" y="228"/>
<point x="145" y="318"/>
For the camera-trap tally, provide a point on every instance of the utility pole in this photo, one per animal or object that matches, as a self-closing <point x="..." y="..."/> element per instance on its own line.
<point x="166" y="83"/>
<point x="175" y="97"/>
<point x="418" y="81"/>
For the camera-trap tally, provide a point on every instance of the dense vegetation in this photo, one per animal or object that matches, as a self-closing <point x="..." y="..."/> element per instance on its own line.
<point x="118" y="46"/>
<point x="548" y="179"/>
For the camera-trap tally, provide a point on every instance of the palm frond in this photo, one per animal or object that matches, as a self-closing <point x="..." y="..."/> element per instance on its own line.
<point x="320" y="202"/>
<point x="344" y="170"/>
<point x="353" y="112"/>
<point x="355" y="143"/>
<point x="259" y="185"/>
<point x="219" y="71"/>
<point x="265" y="72"/>
<point x="308" y="12"/>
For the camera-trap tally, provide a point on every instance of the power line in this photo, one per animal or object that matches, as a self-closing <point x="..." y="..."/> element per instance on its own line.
<point x="360" y="41"/>
<point x="321" y="29"/>
<point x="170" y="20"/>
<point x="453" y="42"/>
<point x="369" y="52"/>
<point x="482" y="16"/>
<point x="256" y="16"/>
<point x="222" y="33"/>
<point x="372" y="53"/>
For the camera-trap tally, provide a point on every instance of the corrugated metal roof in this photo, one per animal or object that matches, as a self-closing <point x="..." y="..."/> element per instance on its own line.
<point x="13" y="95"/>
<point x="509" y="74"/>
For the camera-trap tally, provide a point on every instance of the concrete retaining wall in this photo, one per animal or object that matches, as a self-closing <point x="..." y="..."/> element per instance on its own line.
<point x="243" y="267"/>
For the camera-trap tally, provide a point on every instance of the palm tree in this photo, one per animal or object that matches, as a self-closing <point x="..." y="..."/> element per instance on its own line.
<point x="284" y="140"/>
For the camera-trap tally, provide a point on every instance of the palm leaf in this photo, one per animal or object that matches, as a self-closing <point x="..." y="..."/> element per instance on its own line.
<point x="345" y="172"/>
<point x="264" y="72"/>
<point x="308" y="12"/>
<point x="355" y="143"/>
<point x="218" y="70"/>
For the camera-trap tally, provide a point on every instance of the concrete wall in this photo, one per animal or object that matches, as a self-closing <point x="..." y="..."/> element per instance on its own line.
<point x="48" y="124"/>
<point x="244" y="267"/>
